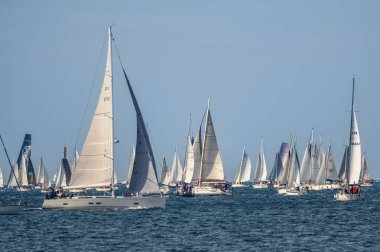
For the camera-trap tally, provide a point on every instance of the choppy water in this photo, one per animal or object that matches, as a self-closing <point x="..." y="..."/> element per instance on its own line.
<point x="255" y="220"/>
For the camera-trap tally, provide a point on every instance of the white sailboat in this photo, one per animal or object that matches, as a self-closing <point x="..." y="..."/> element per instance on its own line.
<point x="165" y="177"/>
<point x="211" y="179"/>
<point x="189" y="160"/>
<point x="293" y="187"/>
<point x="309" y="166"/>
<point x="327" y="176"/>
<point x="176" y="171"/>
<point x="23" y="175"/>
<point x="365" y="178"/>
<point x="95" y="166"/>
<point x="43" y="181"/>
<point x="353" y="167"/>
<point x="279" y="174"/>
<point x="260" y="176"/>
<point x="197" y="151"/>
<point x="243" y="174"/>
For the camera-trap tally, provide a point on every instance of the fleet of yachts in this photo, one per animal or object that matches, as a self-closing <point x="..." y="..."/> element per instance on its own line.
<point x="201" y="173"/>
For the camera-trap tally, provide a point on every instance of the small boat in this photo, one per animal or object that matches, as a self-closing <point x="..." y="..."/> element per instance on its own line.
<point x="243" y="174"/>
<point x="352" y="163"/>
<point x="260" y="177"/>
<point x="43" y="181"/>
<point x="310" y="163"/>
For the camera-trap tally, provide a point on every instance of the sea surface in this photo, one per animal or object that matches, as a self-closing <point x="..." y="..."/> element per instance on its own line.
<point x="249" y="220"/>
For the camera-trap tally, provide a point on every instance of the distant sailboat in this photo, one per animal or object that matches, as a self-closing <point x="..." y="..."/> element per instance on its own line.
<point x="189" y="160"/>
<point x="211" y="179"/>
<point x="281" y="173"/>
<point x="43" y="181"/>
<point x="260" y="176"/>
<point x="365" y="179"/>
<point x="23" y="175"/>
<point x="95" y="167"/>
<point x="310" y="167"/>
<point x="293" y="186"/>
<point x="176" y="171"/>
<point x="353" y="160"/>
<point x="327" y="176"/>
<point x="243" y="174"/>
<point x="197" y="150"/>
<point x="165" y="177"/>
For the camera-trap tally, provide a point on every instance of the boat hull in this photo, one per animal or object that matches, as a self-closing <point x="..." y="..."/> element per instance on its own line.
<point x="11" y="209"/>
<point x="281" y="191"/>
<point x="324" y="187"/>
<point x="295" y="193"/>
<point x="260" y="186"/>
<point x="239" y="186"/>
<point x="207" y="191"/>
<point x="348" y="196"/>
<point x="96" y="202"/>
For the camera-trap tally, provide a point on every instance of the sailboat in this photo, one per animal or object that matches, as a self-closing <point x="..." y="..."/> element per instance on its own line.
<point x="95" y="167"/>
<point x="260" y="177"/>
<point x="189" y="159"/>
<point x="43" y="181"/>
<point x="11" y="208"/>
<point x="351" y="190"/>
<point x="176" y="171"/>
<point x="278" y="174"/>
<point x="23" y="176"/>
<point x="327" y="176"/>
<point x="293" y="186"/>
<point x="309" y="166"/>
<point x="243" y="174"/>
<point x="211" y="177"/>
<point x="365" y="179"/>
<point x="165" y="178"/>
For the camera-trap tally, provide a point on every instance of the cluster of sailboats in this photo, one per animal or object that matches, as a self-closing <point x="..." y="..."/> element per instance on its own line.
<point x="201" y="173"/>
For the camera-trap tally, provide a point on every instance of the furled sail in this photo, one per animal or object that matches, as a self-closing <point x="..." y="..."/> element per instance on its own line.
<point x="95" y="164"/>
<point x="189" y="162"/>
<point x="197" y="147"/>
<point x="354" y="151"/>
<point x="211" y="166"/>
<point x="165" y="173"/>
<point x="176" y="172"/>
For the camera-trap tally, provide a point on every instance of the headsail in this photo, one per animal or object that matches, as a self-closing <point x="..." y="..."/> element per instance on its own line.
<point x="343" y="166"/>
<point x="165" y="173"/>
<point x="131" y="163"/>
<point x="176" y="171"/>
<point x="95" y="164"/>
<point x="261" y="167"/>
<point x="244" y="172"/>
<point x="212" y="166"/>
<point x="197" y="147"/>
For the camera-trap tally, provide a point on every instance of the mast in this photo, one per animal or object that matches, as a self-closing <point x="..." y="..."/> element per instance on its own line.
<point x="112" y="117"/>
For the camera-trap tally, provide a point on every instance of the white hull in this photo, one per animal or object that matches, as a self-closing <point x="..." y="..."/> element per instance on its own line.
<point x="260" y="186"/>
<point x="281" y="191"/>
<point x="295" y="193"/>
<point x="341" y="196"/>
<point x="324" y="187"/>
<point x="239" y="185"/>
<point x="207" y="191"/>
<point x="77" y="190"/>
<point x="10" y="209"/>
<point x="366" y="184"/>
<point x="96" y="202"/>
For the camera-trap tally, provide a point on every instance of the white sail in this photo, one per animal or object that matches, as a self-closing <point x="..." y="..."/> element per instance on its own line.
<point x="1" y="178"/>
<point x="284" y="157"/>
<point x="95" y="164"/>
<point x="176" y="171"/>
<point x="189" y="162"/>
<point x="211" y="166"/>
<point x="197" y="148"/>
<point x="244" y="172"/>
<point x="321" y="155"/>
<point x="327" y="170"/>
<point x="294" y="170"/>
<point x="23" y="175"/>
<point x="61" y="178"/>
<point x="43" y="177"/>
<point x="354" y="151"/>
<point x="261" y="167"/>
<point x="364" y="176"/>
<point x="342" y="170"/>
<point x="130" y="169"/>
<point x="12" y="181"/>
<point x="309" y="166"/>
<point x="165" y="173"/>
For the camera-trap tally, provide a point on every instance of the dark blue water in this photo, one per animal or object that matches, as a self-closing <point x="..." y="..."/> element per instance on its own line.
<point x="254" y="220"/>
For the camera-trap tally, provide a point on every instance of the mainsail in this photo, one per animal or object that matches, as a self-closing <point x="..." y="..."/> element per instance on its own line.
<point x="23" y="175"/>
<point x="327" y="170"/>
<point x="176" y="172"/>
<point x="95" y="164"/>
<point x="354" y="151"/>
<point x="211" y="166"/>
<point x="165" y="173"/>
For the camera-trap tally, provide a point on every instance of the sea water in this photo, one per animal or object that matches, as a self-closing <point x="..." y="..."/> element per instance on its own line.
<point x="250" y="220"/>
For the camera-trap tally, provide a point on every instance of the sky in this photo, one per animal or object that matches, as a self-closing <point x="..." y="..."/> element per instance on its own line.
<point x="270" y="68"/>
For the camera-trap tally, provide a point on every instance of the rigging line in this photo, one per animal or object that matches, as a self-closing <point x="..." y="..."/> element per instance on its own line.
<point x="91" y="90"/>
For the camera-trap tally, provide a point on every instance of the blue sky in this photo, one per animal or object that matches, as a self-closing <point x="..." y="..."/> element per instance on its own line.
<point x="270" y="67"/>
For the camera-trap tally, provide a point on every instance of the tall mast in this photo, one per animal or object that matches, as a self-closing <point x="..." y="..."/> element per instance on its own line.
<point x="352" y="109"/>
<point x="112" y="118"/>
